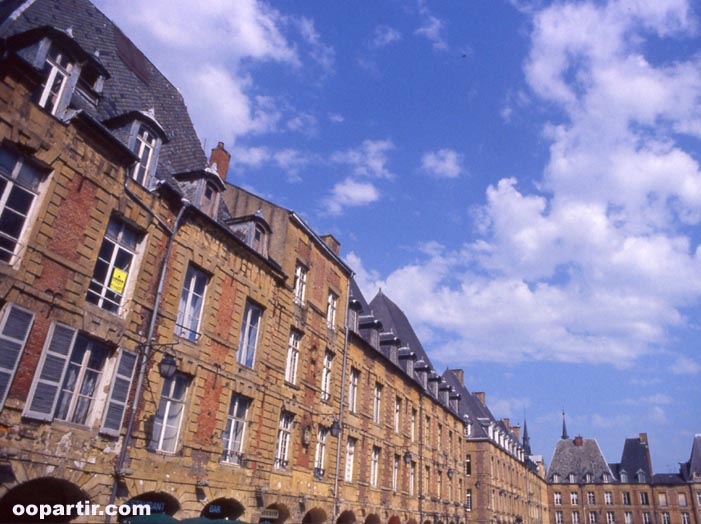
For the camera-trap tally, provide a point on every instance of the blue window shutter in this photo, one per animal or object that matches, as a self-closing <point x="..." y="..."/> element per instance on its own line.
<point x="49" y="376"/>
<point x="119" y="393"/>
<point x="14" y="331"/>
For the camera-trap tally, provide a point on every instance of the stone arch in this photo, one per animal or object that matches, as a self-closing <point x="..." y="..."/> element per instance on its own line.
<point x="411" y="521"/>
<point x="159" y="501"/>
<point x="372" y="518"/>
<point x="394" y="519"/>
<point x="315" y="516"/>
<point x="282" y="514"/>
<point x="44" y="490"/>
<point x="346" y="517"/>
<point x="223" y="508"/>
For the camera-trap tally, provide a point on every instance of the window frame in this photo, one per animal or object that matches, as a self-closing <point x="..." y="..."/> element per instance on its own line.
<point x="186" y="309"/>
<point x="377" y="403"/>
<point x="375" y="466"/>
<point x="234" y="433"/>
<point x="9" y="337"/>
<point x="51" y="68"/>
<point x="284" y="437"/>
<point x="320" y="452"/>
<point x="350" y="459"/>
<point x="353" y="389"/>
<point x="331" y="309"/>
<point x="300" y="283"/>
<point x="326" y="372"/>
<point x="292" y="361"/>
<point x="169" y="402"/>
<point x="246" y="354"/>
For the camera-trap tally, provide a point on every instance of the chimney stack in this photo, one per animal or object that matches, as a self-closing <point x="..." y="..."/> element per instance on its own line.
<point x="333" y="244"/>
<point x="507" y="423"/>
<point x="578" y="441"/>
<point x="643" y="438"/>
<point x="221" y="158"/>
<point x="481" y="397"/>
<point x="516" y="430"/>
<point x="460" y="374"/>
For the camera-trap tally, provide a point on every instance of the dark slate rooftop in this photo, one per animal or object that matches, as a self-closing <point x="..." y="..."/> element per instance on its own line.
<point x="578" y="460"/>
<point x="635" y="458"/>
<point x="692" y="470"/>
<point x="470" y="405"/>
<point x="134" y="86"/>
<point x="667" y="479"/>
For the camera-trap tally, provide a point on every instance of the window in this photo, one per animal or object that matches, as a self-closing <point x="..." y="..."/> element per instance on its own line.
<point x="588" y="478"/>
<point x="232" y="438"/>
<point x="644" y="498"/>
<point x="395" y="473"/>
<point x="662" y="499"/>
<point x="681" y="499"/>
<point x="374" y="466"/>
<point x="412" y="428"/>
<point x="353" y="389"/>
<point x="574" y="498"/>
<point x="557" y="498"/>
<point x="19" y="186"/>
<point x="326" y="377"/>
<point x="376" y="403"/>
<point x="591" y="497"/>
<point x="397" y="413"/>
<point x="628" y="517"/>
<point x="439" y="483"/>
<point x="575" y="517"/>
<point x="610" y="518"/>
<point x="641" y="476"/>
<point x="624" y="477"/>
<point x="257" y="241"/>
<point x="606" y="478"/>
<point x="558" y="517"/>
<point x="698" y="498"/>
<point x="166" y="425"/>
<point x="300" y="284"/>
<point x="439" y="436"/>
<point x="14" y="332"/>
<point x="427" y="481"/>
<point x="292" y="357"/>
<point x="685" y="518"/>
<point x="570" y="478"/>
<point x="468" y="500"/>
<point x="57" y="70"/>
<point x="626" y="498"/>
<point x="320" y="456"/>
<point x="250" y="327"/>
<point x="191" y="302"/>
<point x="208" y="202"/>
<point x="412" y="478"/>
<point x="331" y="306"/>
<point x="283" y="440"/>
<point x="592" y="517"/>
<point x="608" y="498"/>
<point x="350" y="459"/>
<point x="352" y="319"/>
<point x="427" y="436"/>
<point x="646" y="518"/>
<point x="144" y="148"/>
<point x="556" y="478"/>
<point x="114" y="262"/>
<point x="468" y="466"/>
<point x="665" y="517"/>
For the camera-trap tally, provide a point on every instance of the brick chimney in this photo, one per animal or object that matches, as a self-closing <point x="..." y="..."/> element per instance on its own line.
<point x="643" y="438"/>
<point x="333" y="244"/>
<point x="221" y="157"/>
<point x="516" y="430"/>
<point x="481" y="397"/>
<point x="507" y="423"/>
<point x="460" y="374"/>
<point x="578" y="441"/>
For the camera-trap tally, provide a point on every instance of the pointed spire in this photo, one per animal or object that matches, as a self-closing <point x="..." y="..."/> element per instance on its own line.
<point x="526" y="439"/>
<point x="565" y="436"/>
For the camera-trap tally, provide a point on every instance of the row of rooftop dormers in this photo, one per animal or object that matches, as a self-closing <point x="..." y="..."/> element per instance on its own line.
<point x="383" y="325"/>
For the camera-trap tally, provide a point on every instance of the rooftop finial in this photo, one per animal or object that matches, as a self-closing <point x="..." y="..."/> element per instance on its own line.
<point x="565" y="436"/>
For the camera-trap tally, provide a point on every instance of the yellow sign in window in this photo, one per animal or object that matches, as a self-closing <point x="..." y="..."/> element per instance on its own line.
<point x="119" y="279"/>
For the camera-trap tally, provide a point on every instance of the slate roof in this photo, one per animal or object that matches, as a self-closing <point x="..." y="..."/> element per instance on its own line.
<point x="667" y="479"/>
<point x="469" y="405"/>
<point x="692" y="470"/>
<point x="125" y="91"/>
<point x="636" y="457"/>
<point x="569" y="458"/>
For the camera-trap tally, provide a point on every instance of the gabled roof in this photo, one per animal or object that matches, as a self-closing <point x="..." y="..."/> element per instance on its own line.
<point x="579" y="460"/>
<point x="635" y="458"/>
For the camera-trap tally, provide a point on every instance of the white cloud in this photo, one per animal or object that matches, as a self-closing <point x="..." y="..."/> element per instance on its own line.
<point x="432" y="28"/>
<point x="321" y="53"/>
<point x="443" y="163"/>
<point x="384" y="35"/>
<point x="370" y="159"/>
<point x="512" y="408"/>
<point x="350" y="193"/>
<point x="336" y="118"/>
<point x="595" y="262"/>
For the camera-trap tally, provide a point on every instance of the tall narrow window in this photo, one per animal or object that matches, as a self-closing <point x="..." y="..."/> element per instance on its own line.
<point x="374" y="466"/>
<point x="412" y="428"/>
<point x="57" y="70"/>
<point x="14" y="331"/>
<point x="166" y="425"/>
<point x="350" y="459"/>
<point x="249" y="334"/>
<point x="468" y="465"/>
<point x="114" y="263"/>
<point x="611" y="519"/>
<point x="19" y="185"/>
<point x="592" y="517"/>
<point x="144" y="148"/>
<point x="300" y="284"/>
<point x="326" y="377"/>
<point x="320" y="456"/>
<point x="292" y="357"/>
<point x="468" y="500"/>
<point x="591" y="498"/>
<point x="575" y="518"/>
<point x="627" y="518"/>
<point x="377" y="403"/>
<point x="331" y="306"/>
<point x="412" y="478"/>
<point x="395" y="473"/>
<point x="232" y="438"/>
<point x="353" y="390"/>
<point x="191" y="302"/>
<point x="283" y="440"/>
<point x="397" y="413"/>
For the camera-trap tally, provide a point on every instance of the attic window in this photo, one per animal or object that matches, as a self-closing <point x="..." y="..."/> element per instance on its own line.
<point x="208" y="202"/>
<point x="55" y="93"/>
<point x="144" y="145"/>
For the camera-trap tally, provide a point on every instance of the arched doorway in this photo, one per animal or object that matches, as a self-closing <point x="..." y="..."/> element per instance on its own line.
<point x="223" y="508"/>
<point x="274" y="514"/>
<point x="394" y="519"/>
<point x="314" y="516"/>
<point x="346" y="517"/>
<point x="372" y="518"/>
<point x="159" y="502"/>
<point x="42" y="491"/>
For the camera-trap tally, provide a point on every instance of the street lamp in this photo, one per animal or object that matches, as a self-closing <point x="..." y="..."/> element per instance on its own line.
<point x="167" y="366"/>
<point x="335" y="428"/>
<point x="408" y="457"/>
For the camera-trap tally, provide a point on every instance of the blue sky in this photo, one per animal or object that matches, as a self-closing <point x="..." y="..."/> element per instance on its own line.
<point x="521" y="177"/>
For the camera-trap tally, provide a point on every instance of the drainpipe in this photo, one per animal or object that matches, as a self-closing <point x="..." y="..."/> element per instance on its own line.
<point x="340" y="409"/>
<point x="145" y="354"/>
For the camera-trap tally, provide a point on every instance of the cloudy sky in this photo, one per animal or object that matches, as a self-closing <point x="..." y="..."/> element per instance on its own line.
<point x="521" y="177"/>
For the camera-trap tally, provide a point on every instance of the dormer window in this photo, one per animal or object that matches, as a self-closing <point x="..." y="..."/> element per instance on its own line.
<point x="258" y="239"/>
<point x="251" y="229"/>
<point x="208" y="203"/>
<point x="144" y="147"/>
<point x="58" y="69"/>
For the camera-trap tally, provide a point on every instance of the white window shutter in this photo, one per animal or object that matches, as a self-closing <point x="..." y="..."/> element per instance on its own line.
<point x="50" y="372"/>
<point x="14" y="331"/>
<point x="119" y="393"/>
